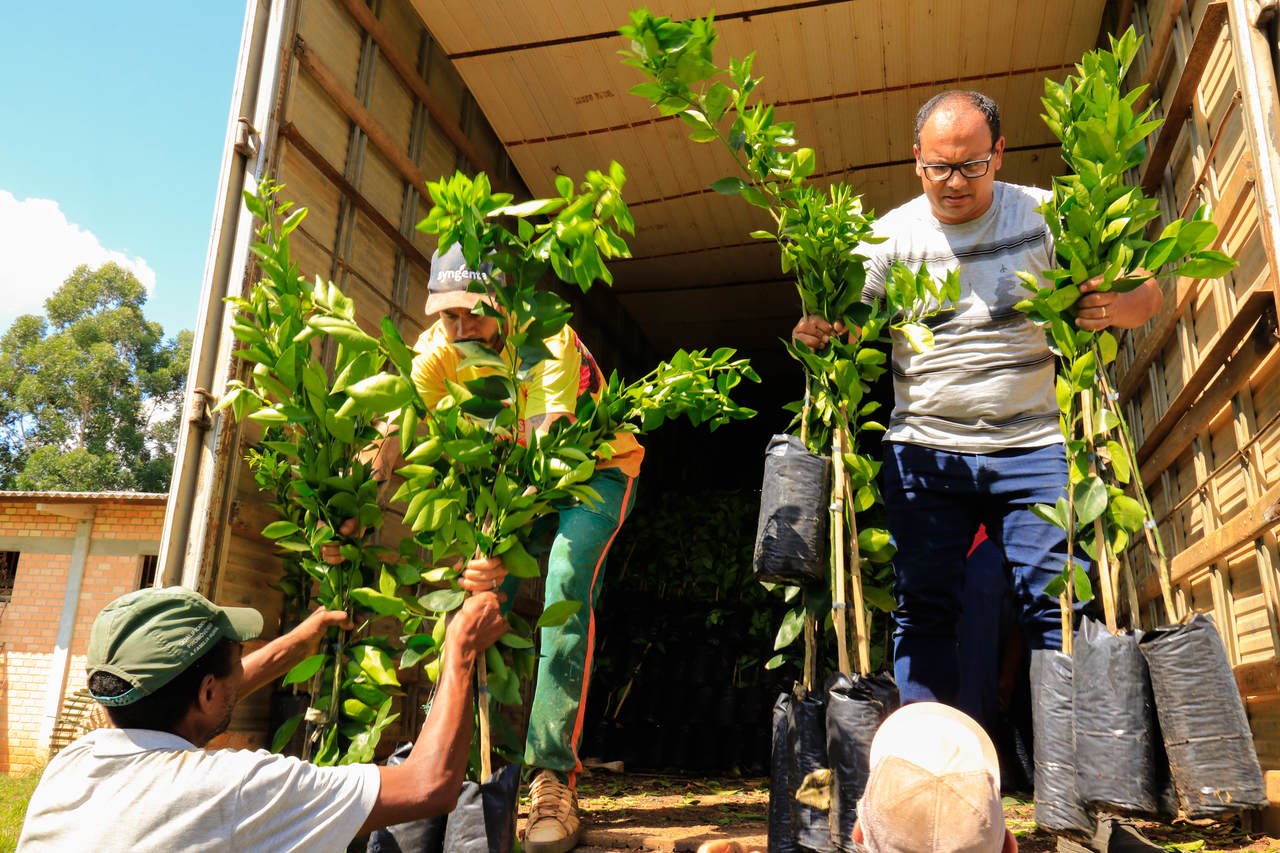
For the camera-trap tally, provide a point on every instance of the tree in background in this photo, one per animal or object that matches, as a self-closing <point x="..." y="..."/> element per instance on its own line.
<point x="90" y="392"/>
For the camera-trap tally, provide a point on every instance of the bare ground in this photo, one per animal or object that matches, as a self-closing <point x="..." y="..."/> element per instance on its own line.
<point x="665" y="813"/>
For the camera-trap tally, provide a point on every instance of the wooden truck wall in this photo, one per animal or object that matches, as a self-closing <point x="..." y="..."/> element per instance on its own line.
<point x="1200" y="381"/>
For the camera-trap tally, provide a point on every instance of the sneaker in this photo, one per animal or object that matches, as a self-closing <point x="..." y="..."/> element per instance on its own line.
<point x="553" y="825"/>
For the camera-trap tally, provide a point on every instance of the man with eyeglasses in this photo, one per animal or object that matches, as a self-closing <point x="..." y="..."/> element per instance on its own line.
<point x="974" y="437"/>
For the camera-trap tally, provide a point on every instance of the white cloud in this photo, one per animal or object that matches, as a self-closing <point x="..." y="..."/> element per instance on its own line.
<point x="38" y="250"/>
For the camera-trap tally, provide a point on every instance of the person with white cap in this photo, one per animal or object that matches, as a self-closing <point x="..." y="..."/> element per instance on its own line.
<point x="166" y="664"/>
<point x="575" y="566"/>
<point x="934" y="786"/>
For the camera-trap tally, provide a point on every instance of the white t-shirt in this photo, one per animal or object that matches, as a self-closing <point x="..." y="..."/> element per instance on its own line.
<point x="988" y="383"/>
<point x="137" y="790"/>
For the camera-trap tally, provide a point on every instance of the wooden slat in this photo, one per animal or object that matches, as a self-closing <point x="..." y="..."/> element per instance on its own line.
<point x="1215" y="15"/>
<point x="1224" y="343"/>
<point x="356" y="111"/>
<point x="1258" y="677"/>
<point x="1124" y="17"/>
<point x="334" y="176"/>
<point x="405" y="70"/>
<point x="1159" y="51"/>
<point x="1243" y="527"/>
<point x="1197" y="420"/>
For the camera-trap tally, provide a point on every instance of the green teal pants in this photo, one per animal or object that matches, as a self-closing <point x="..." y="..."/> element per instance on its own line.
<point x="575" y="572"/>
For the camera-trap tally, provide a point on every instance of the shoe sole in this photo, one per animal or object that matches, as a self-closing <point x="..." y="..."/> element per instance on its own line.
<point x="562" y="845"/>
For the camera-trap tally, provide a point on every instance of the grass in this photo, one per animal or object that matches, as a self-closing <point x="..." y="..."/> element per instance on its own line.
<point x="15" y="791"/>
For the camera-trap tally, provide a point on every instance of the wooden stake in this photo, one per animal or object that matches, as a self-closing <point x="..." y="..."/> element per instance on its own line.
<point x="1154" y="545"/>
<point x="1131" y="588"/>
<point x="1105" y="571"/>
<point x="482" y="700"/>
<point x="857" y="601"/>
<point x="810" y="645"/>
<point x="838" y="614"/>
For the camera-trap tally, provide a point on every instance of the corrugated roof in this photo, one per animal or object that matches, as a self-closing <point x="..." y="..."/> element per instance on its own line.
<point x="142" y="497"/>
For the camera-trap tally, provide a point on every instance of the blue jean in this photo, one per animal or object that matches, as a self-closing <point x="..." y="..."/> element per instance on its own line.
<point x="934" y="502"/>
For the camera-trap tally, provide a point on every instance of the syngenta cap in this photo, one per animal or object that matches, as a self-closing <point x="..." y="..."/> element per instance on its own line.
<point x="150" y="636"/>
<point x="450" y="278"/>
<point x="934" y="785"/>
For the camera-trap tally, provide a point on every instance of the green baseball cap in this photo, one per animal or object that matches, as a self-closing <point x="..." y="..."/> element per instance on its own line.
<point x="151" y="636"/>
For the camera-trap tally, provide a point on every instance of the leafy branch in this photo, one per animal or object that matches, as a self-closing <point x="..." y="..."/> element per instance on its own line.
<point x="1099" y="223"/>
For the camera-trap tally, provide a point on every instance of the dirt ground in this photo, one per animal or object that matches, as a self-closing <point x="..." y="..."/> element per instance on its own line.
<point x="664" y="813"/>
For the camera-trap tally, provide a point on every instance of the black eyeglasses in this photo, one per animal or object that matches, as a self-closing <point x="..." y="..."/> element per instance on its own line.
<point x="939" y="172"/>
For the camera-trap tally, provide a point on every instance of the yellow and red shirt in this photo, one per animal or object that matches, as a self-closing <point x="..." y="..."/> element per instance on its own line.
<point x="554" y="386"/>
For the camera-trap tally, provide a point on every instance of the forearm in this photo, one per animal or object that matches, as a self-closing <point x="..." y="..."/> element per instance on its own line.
<point x="272" y="661"/>
<point x="428" y="782"/>
<point x="439" y="757"/>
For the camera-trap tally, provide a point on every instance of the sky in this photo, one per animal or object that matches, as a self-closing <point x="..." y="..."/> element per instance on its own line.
<point x="114" y="117"/>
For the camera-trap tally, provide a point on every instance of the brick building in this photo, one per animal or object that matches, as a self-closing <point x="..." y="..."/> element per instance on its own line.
<point x="63" y="556"/>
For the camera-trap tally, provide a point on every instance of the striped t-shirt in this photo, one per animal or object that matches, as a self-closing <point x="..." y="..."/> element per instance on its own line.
<point x="988" y="383"/>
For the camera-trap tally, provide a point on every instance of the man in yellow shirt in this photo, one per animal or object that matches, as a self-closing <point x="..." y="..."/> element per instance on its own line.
<point x="575" y="567"/>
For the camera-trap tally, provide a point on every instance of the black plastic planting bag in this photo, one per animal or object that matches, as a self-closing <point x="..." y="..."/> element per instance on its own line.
<point x="791" y="534"/>
<point x="1115" y="722"/>
<point x="800" y="734"/>
<point x="1058" y="806"/>
<point x="856" y="706"/>
<point x="416" y="836"/>
<point x="782" y="834"/>
<point x="1202" y="720"/>
<point x="483" y="820"/>
<point x="807" y="740"/>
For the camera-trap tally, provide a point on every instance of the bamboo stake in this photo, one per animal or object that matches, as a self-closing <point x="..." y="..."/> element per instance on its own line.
<point x="1105" y="570"/>
<point x="857" y="601"/>
<point x="1154" y="543"/>
<point x="482" y="701"/>
<point x="1131" y="588"/>
<point x="1066" y="597"/>
<point x="810" y="646"/>
<point x="838" y="607"/>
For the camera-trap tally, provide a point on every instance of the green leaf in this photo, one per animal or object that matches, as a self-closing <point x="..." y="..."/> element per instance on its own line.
<point x="1090" y="500"/>
<point x="443" y="600"/>
<point x="879" y="597"/>
<point x="345" y="332"/>
<point x="792" y="625"/>
<point x="375" y="663"/>
<point x="304" y="670"/>
<point x="1084" y="589"/>
<point x="285" y="733"/>
<point x="378" y="602"/>
<point x="1207" y="264"/>
<point x="381" y="393"/>
<point x="517" y="560"/>
<point x="556" y="614"/>
<point x="918" y="335"/>
<point x="729" y="186"/>
<point x="277" y="529"/>
<point x="515" y="641"/>
<point x="1127" y="513"/>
